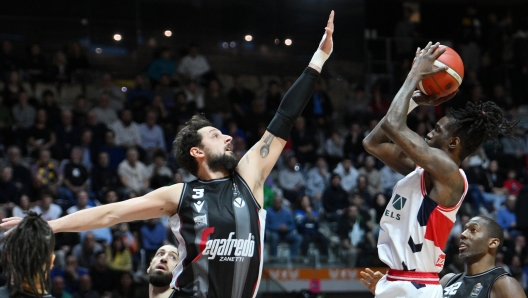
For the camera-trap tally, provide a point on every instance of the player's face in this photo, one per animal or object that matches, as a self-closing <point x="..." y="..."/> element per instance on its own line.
<point x="473" y="240"/>
<point x="437" y="137"/>
<point x="218" y="150"/>
<point x="161" y="266"/>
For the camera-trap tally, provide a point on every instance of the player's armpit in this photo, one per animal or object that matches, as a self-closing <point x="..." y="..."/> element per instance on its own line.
<point x="507" y="286"/>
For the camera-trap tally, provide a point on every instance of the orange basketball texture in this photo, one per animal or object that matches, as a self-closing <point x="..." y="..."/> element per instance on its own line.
<point x="445" y="82"/>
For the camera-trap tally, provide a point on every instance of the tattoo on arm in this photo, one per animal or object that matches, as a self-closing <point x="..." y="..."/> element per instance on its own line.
<point x="264" y="150"/>
<point x="247" y="159"/>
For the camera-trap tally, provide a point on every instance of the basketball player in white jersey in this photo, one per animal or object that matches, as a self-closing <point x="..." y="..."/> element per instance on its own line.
<point x="418" y="219"/>
<point x="217" y="219"/>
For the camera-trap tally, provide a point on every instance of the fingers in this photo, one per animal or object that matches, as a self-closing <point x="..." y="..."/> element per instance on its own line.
<point x="369" y="271"/>
<point x="330" y="23"/>
<point x="364" y="282"/>
<point x="427" y="47"/>
<point x="378" y="275"/>
<point x="418" y="52"/>
<point x="439" y="52"/>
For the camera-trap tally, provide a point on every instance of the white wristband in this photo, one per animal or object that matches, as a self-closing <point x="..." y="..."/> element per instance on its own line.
<point x="412" y="105"/>
<point x="319" y="56"/>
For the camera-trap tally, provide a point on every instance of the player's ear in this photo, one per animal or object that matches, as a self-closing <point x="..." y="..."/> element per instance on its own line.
<point x="454" y="143"/>
<point x="196" y="152"/>
<point x="494" y="242"/>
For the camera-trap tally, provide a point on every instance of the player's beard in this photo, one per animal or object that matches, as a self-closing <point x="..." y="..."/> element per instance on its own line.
<point x="225" y="162"/>
<point x="160" y="279"/>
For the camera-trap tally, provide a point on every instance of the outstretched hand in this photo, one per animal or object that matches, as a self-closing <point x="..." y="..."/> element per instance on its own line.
<point x="10" y="222"/>
<point x="327" y="44"/>
<point x="370" y="279"/>
<point x="430" y="100"/>
<point x="423" y="62"/>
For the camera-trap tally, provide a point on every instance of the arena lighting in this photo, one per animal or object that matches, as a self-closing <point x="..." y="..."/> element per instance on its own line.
<point x="232" y="44"/>
<point x="98" y="50"/>
<point x="248" y="38"/>
<point x="225" y="45"/>
<point x="168" y="33"/>
<point x="117" y="37"/>
<point x="124" y="89"/>
<point x="277" y="41"/>
<point x="288" y="42"/>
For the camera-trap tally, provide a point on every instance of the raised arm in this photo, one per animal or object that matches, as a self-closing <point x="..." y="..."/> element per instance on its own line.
<point x="161" y="202"/>
<point x="258" y="162"/>
<point x="448" y="183"/>
<point x="507" y="286"/>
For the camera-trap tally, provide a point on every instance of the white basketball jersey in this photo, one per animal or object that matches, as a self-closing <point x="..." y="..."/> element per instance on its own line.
<point x="414" y="228"/>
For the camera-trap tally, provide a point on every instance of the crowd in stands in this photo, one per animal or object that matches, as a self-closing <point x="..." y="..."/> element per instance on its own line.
<point x="325" y="197"/>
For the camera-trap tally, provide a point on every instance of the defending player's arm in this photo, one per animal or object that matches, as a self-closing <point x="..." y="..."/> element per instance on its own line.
<point x="444" y="171"/>
<point x="507" y="286"/>
<point x="258" y="162"/>
<point x="161" y="202"/>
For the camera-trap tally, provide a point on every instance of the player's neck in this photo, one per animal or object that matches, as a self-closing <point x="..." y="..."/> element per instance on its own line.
<point x="206" y="174"/>
<point x="477" y="266"/>
<point x="160" y="292"/>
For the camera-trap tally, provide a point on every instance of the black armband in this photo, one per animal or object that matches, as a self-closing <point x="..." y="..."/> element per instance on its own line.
<point x="293" y="104"/>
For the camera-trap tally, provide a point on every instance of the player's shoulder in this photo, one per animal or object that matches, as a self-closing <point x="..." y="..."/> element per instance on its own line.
<point x="507" y="286"/>
<point x="446" y="278"/>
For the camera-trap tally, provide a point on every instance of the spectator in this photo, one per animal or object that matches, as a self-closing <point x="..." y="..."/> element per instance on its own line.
<point x="13" y="88"/>
<point x="138" y="98"/>
<point x="58" y="288"/>
<point x="103" y="112"/>
<point x="82" y="202"/>
<point x="159" y="174"/>
<point x="46" y="207"/>
<point x="303" y="142"/>
<point x="317" y="181"/>
<point x="347" y="173"/>
<point x="362" y="189"/>
<point x="241" y="98"/>
<point x="118" y="256"/>
<point x="80" y="111"/>
<point x="126" y="287"/>
<point x="195" y="66"/>
<point x="151" y="135"/>
<point x="280" y="226"/>
<point x="85" y="252"/>
<point x="353" y="144"/>
<point x="507" y="219"/>
<point x="71" y="273"/>
<point x="115" y="153"/>
<point x="127" y="134"/>
<point x="103" y="277"/>
<point x="272" y="97"/>
<point x="334" y="149"/>
<point x="388" y="179"/>
<point x="24" y="113"/>
<point x="372" y="174"/>
<point x="67" y="135"/>
<point x="356" y="238"/>
<point x="46" y="173"/>
<point x="133" y="174"/>
<point x="6" y="120"/>
<point x="160" y="109"/>
<point x="115" y="95"/>
<point x="60" y="70"/>
<point x="335" y="199"/>
<point x="194" y="95"/>
<point x="182" y="110"/>
<point x="40" y="136"/>
<point x="165" y="91"/>
<point x="515" y="149"/>
<point x="23" y="206"/>
<point x="103" y="177"/>
<point x="110" y="196"/>
<point x="153" y="235"/>
<point x="511" y="184"/>
<point x="36" y="64"/>
<point x="307" y="220"/>
<point x="87" y="148"/>
<point x="97" y="128"/>
<point x="85" y="288"/>
<point x="75" y="175"/>
<point x="216" y="104"/>
<point x="21" y="173"/>
<point x="356" y="106"/>
<point x="162" y="65"/>
<point x="259" y="120"/>
<point x="319" y="109"/>
<point x="78" y="64"/>
<point x="8" y="191"/>
<point x="51" y="107"/>
<point x="291" y="180"/>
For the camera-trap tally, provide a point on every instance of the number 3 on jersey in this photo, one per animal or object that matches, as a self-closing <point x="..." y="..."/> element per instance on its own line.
<point x="452" y="289"/>
<point x="198" y="193"/>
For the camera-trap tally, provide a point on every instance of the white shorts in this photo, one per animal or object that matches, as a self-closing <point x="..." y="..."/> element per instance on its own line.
<point x="406" y="289"/>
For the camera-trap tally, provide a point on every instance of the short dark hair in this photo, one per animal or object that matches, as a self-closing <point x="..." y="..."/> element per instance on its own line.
<point x="477" y="123"/>
<point x="494" y="230"/>
<point x="26" y="255"/>
<point x="187" y="138"/>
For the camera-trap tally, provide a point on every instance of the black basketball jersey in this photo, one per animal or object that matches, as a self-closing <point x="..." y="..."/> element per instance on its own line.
<point x="219" y="227"/>
<point x="479" y="285"/>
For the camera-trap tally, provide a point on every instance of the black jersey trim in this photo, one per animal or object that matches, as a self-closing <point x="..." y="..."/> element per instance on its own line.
<point x="213" y="180"/>
<point x="182" y="195"/>
<point x="453" y="278"/>
<point x="483" y="273"/>
<point x="251" y="192"/>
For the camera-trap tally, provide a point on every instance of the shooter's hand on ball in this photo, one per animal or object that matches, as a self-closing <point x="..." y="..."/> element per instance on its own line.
<point x="423" y="63"/>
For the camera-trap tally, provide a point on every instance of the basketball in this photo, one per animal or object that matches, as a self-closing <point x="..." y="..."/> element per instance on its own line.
<point x="445" y="82"/>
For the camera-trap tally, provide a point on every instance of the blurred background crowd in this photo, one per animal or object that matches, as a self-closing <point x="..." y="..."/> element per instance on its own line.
<point x="74" y="136"/>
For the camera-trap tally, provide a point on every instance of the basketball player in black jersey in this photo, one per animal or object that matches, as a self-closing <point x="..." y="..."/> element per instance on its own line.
<point x="160" y="271"/>
<point x="218" y="219"/>
<point x="478" y="246"/>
